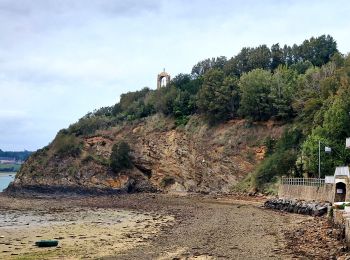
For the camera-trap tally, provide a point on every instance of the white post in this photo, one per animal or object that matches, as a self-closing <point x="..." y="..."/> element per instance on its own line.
<point x="319" y="159"/>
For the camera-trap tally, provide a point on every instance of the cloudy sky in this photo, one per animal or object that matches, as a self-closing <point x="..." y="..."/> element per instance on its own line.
<point x="60" y="59"/>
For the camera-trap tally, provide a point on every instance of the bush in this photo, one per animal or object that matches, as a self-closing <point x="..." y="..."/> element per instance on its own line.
<point x="120" y="157"/>
<point x="167" y="181"/>
<point x="67" y="145"/>
<point x="89" y="124"/>
<point x="281" y="159"/>
<point x="278" y="164"/>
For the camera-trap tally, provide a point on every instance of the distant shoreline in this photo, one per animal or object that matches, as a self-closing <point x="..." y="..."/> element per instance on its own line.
<point x="7" y="173"/>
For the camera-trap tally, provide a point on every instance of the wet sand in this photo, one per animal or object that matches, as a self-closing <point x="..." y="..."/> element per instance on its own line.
<point x="82" y="232"/>
<point x="155" y="226"/>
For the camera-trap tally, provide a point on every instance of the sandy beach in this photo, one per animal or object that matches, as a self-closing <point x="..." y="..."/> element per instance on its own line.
<point x="157" y="226"/>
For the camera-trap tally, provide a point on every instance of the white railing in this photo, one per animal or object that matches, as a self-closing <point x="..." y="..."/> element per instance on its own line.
<point x="303" y="181"/>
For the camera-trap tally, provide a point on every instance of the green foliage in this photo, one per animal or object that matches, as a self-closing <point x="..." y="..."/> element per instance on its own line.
<point x="89" y="124"/>
<point x="256" y="101"/>
<point x="218" y="99"/>
<point x="270" y="144"/>
<point x="315" y="51"/>
<point x="183" y="106"/>
<point x="276" y="56"/>
<point x="282" y="161"/>
<point x="301" y="66"/>
<point x="67" y="145"/>
<point x="134" y="105"/>
<point x="318" y="50"/>
<point x="310" y="152"/>
<point x="277" y="164"/>
<point x="206" y="65"/>
<point x="120" y="157"/>
<point x="282" y="92"/>
<point x="332" y="133"/>
<point x="305" y="85"/>
<point x="186" y="82"/>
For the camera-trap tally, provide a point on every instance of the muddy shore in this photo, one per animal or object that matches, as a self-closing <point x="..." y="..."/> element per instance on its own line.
<point x="159" y="226"/>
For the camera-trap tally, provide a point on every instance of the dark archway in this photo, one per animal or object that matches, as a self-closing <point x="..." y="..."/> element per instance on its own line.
<point x="340" y="192"/>
<point x="163" y="79"/>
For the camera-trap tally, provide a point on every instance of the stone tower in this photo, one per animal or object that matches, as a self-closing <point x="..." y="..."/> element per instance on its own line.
<point x="163" y="79"/>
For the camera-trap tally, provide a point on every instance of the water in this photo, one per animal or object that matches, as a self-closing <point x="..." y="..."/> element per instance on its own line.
<point x="5" y="179"/>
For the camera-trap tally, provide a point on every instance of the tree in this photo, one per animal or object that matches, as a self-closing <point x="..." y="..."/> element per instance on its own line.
<point x="333" y="131"/>
<point x="318" y="50"/>
<point x="282" y="92"/>
<point x="255" y="88"/>
<point x="184" y="105"/>
<point x="248" y="59"/>
<point x="259" y="58"/>
<point x="205" y="65"/>
<point x="288" y="55"/>
<point x="163" y="99"/>
<point x="120" y="156"/>
<point x="218" y="98"/>
<point x="301" y="66"/>
<point x="276" y="56"/>
<point x="186" y="82"/>
<point x="282" y="161"/>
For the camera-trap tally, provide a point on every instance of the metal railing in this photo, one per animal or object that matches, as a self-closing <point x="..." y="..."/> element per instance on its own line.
<point x="303" y="181"/>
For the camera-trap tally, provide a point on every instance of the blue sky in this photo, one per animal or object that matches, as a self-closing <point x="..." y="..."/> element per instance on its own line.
<point x="60" y="59"/>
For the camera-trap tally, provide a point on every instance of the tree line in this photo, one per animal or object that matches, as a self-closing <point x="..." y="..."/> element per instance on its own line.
<point x="18" y="156"/>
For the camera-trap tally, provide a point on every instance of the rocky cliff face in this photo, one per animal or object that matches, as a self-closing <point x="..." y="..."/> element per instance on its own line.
<point x="194" y="158"/>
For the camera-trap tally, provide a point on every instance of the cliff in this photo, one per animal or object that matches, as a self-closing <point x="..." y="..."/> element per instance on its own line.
<point x="194" y="157"/>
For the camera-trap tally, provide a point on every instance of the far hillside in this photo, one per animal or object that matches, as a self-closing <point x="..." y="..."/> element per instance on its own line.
<point x="10" y="161"/>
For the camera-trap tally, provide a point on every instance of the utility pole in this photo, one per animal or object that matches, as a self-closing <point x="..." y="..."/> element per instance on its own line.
<point x="319" y="159"/>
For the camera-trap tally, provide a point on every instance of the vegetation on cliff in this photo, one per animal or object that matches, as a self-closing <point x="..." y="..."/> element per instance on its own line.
<point x="305" y="87"/>
<point x="120" y="156"/>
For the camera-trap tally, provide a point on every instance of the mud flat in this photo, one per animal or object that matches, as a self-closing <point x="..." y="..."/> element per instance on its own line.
<point x="158" y="226"/>
<point x="82" y="232"/>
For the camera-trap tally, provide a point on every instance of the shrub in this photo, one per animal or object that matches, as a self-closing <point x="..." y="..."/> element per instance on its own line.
<point x="281" y="160"/>
<point x="89" y="124"/>
<point x="67" y="145"/>
<point x="120" y="157"/>
<point x="167" y="181"/>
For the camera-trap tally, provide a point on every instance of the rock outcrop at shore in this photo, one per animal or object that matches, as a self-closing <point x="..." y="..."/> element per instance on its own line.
<point x="195" y="158"/>
<point x="298" y="206"/>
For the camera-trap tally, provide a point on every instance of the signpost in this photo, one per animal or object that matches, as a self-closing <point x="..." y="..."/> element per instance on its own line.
<point x="327" y="149"/>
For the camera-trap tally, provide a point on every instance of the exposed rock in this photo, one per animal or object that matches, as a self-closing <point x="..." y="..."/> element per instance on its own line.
<point x="196" y="158"/>
<point x="298" y="206"/>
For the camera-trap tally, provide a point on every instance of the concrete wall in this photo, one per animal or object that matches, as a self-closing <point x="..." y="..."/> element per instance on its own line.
<point x="308" y="193"/>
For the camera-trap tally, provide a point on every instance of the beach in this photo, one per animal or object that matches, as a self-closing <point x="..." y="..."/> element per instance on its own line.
<point x="154" y="226"/>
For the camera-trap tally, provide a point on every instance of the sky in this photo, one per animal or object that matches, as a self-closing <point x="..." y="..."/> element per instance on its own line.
<point x="60" y="59"/>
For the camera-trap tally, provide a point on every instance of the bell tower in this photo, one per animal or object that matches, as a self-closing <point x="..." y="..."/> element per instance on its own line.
<point x="163" y="79"/>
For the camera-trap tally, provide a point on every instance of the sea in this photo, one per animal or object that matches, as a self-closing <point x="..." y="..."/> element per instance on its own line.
<point x="5" y="179"/>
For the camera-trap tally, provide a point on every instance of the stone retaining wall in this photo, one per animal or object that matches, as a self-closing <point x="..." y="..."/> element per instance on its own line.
<point x="308" y="193"/>
<point x="298" y="206"/>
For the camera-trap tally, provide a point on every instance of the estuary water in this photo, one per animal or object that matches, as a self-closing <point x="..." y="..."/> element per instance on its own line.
<point x="5" y="179"/>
